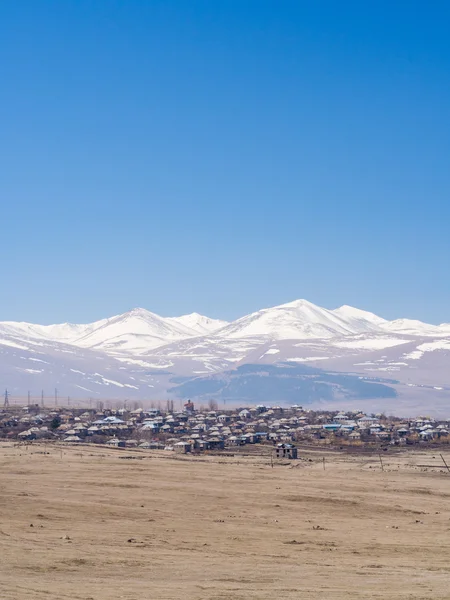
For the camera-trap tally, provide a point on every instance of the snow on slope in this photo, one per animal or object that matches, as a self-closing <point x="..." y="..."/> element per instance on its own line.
<point x="413" y="327"/>
<point x="296" y="320"/>
<point x="359" y="319"/>
<point x="139" y="331"/>
<point x="135" y="331"/>
<point x="369" y="342"/>
<point x="64" y="332"/>
<point x="428" y="347"/>
<point x="31" y="365"/>
<point x="200" y="324"/>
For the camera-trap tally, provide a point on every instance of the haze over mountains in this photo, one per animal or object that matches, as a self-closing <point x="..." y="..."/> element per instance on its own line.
<point x="295" y="352"/>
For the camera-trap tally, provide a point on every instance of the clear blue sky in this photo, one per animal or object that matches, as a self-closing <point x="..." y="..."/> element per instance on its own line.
<point x="223" y="156"/>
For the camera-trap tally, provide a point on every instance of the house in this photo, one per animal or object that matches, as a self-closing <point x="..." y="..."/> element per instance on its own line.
<point x="427" y="434"/>
<point x="332" y="426"/>
<point x="27" y="435"/>
<point x="202" y="445"/>
<point x="341" y="418"/>
<point x="367" y="422"/>
<point x="109" y="421"/>
<point x="151" y="445"/>
<point x="286" y="451"/>
<point x="216" y="443"/>
<point x="153" y="426"/>
<point x="93" y="430"/>
<point x="402" y="431"/>
<point x="233" y="440"/>
<point x="145" y="445"/>
<point x="72" y="439"/>
<point x="182" y="447"/>
<point x="245" y="414"/>
<point x="116" y="443"/>
<point x="189" y="407"/>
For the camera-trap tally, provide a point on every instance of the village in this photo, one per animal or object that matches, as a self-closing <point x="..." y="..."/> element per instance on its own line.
<point x="266" y="499"/>
<point x="211" y="430"/>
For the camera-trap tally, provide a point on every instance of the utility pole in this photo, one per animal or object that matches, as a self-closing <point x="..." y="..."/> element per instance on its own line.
<point x="56" y="397"/>
<point x="28" y="399"/>
<point x="443" y="459"/>
<point x="6" y="403"/>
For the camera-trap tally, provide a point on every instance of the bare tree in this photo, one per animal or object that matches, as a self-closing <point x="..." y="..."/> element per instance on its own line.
<point x="212" y="404"/>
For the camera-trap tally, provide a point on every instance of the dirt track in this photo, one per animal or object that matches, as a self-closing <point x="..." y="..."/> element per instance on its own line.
<point x="104" y="527"/>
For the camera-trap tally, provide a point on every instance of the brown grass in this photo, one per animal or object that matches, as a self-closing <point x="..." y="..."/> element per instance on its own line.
<point x="167" y="528"/>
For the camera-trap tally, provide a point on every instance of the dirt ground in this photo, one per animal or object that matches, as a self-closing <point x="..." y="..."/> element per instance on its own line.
<point x="89" y="524"/>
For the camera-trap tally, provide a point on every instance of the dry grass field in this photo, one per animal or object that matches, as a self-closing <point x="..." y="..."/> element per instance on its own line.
<point x="89" y="524"/>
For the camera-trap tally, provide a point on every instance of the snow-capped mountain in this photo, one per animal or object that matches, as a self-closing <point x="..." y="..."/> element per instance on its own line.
<point x="300" y="320"/>
<point x="143" y="355"/>
<point x="134" y="331"/>
<point x="139" y="331"/>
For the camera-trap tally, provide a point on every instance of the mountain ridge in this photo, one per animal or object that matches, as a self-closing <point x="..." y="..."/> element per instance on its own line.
<point x="141" y="354"/>
<point x="340" y="321"/>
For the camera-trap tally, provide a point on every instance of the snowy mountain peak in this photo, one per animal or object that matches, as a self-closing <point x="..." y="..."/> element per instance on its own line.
<point x="299" y="319"/>
<point x="138" y="312"/>
<point x="135" y="331"/>
<point x="199" y="323"/>
<point x="300" y="303"/>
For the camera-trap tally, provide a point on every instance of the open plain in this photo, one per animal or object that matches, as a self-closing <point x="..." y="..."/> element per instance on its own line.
<point x="93" y="524"/>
